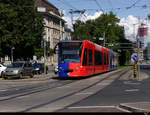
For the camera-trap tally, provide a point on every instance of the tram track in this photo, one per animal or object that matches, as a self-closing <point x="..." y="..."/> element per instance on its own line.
<point x="33" y="89"/>
<point x="27" y="90"/>
<point x="120" y="74"/>
<point x="75" y="92"/>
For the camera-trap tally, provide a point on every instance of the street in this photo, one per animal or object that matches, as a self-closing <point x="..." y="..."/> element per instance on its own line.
<point x="99" y="93"/>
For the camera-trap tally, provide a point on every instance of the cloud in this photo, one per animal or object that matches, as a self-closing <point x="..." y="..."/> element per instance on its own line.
<point x="130" y="23"/>
<point x="92" y="17"/>
<point x="83" y="18"/>
<point x="131" y="26"/>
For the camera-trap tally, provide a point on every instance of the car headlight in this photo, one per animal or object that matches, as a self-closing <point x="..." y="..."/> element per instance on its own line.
<point x="16" y="71"/>
<point x="37" y="68"/>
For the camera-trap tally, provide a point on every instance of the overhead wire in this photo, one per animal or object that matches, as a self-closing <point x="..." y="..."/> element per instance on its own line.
<point x="67" y="4"/>
<point x="99" y="6"/>
<point x="112" y="8"/>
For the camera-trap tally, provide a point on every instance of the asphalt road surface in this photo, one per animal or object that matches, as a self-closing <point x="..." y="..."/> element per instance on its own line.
<point x="99" y="93"/>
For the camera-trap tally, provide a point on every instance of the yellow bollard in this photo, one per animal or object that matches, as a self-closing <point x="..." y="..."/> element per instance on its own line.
<point x="135" y="71"/>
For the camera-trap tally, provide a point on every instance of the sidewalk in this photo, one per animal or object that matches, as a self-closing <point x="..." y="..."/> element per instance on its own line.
<point x="136" y="107"/>
<point x="44" y="76"/>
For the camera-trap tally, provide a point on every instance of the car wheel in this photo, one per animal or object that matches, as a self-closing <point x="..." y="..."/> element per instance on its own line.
<point x="40" y="72"/>
<point x="20" y="76"/>
<point x="4" y="77"/>
<point x="31" y="76"/>
<point x="2" y="74"/>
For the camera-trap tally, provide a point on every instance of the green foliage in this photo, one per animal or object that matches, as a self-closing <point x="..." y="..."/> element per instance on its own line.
<point x="105" y="26"/>
<point x="21" y="27"/>
<point x="50" y="51"/>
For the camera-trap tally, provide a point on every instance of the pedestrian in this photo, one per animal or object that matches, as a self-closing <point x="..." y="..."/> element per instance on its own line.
<point x="46" y="68"/>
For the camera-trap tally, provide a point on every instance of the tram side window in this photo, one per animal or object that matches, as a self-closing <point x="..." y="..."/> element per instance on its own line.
<point x="111" y="59"/>
<point x="107" y="59"/>
<point x="90" y="57"/>
<point x="114" y="60"/>
<point x="98" y="58"/>
<point x="85" y="57"/>
<point x="104" y="58"/>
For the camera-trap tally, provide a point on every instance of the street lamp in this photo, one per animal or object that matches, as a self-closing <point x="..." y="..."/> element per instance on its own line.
<point x="60" y="33"/>
<point x="43" y="10"/>
<point x="12" y="54"/>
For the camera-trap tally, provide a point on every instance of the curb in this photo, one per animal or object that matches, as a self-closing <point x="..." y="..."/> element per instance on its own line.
<point x="41" y="77"/>
<point x="132" y="109"/>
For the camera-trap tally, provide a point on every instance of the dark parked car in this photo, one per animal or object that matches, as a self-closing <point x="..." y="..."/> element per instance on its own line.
<point x="39" y="68"/>
<point x="19" y="69"/>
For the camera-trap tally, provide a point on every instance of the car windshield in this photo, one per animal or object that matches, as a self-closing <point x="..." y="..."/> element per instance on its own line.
<point x="38" y="65"/>
<point x="15" y="65"/>
<point x="70" y="51"/>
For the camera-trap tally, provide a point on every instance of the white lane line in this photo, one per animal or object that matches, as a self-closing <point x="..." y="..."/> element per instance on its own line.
<point x="130" y="90"/>
<point x="124" y="110"/>
<point x="130" y="83"/>
<point x="87" y="107"/>
<point x="88" y="93"/>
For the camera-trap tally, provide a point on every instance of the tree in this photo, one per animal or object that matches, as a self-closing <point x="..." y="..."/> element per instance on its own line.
<point x="21" y="27"/>
<point x="105" y="26"/>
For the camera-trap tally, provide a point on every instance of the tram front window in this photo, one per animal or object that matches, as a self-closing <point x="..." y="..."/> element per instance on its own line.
<point x="70" y="52"/>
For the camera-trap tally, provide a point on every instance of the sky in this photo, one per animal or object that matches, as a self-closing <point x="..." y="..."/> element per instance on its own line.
<point x="130" y="12"/>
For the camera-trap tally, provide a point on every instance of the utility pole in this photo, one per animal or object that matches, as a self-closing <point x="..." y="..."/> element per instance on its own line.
<point x="12" y="54"/>
<point x="105" y="33"/>
<point x="75" y="12"/>
<point x="60" y="32"/>
<point x="43" y="10"/>
<point x="104" y="38"/>
<point x="138" y="46"/>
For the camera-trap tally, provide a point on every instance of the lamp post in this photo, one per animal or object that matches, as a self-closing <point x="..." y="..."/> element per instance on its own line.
<point x="60" y="32"/>
<point x="12" y="54"/>
<point x="43" y="10"/>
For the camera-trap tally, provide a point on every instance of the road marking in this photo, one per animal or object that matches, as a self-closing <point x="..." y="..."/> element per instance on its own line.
<point x="130" y="90"/>
<point x="124" y="110"/>
<point x="86" y="107"/>
<point x="63" y="86"/>
<point x="84" y="93"/>
<point x="130" y="83"/>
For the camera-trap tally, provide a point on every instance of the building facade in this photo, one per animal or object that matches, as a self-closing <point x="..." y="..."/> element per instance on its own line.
<point x="54" y="27"/>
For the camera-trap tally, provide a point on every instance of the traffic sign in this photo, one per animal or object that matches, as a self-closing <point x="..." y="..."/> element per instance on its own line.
<point x="135" y="58"/>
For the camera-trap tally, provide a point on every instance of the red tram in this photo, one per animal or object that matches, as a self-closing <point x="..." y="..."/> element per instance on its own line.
<point x="84" y="58"/>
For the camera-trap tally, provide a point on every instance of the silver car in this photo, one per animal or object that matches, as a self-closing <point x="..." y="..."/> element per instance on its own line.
<point x="18" y="69"/>
<point x="2" y="69"/>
